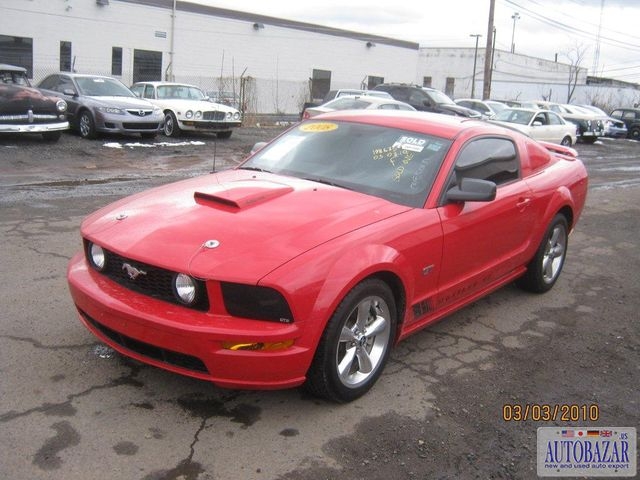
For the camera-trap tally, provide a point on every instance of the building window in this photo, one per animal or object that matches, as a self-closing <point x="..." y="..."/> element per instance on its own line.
<point x="147" y="66"/>
<point x="426" y="82"/>
<point x="17" y="51"/>
<point x="320" y="83"/>
<point x="373" y="81"/>
<point x="450" y="86"/>
<point x="116" y="61"/>
<point x="65" y="56"/>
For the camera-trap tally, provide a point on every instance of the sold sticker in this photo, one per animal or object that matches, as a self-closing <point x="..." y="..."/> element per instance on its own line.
<point x="318" y="127"/>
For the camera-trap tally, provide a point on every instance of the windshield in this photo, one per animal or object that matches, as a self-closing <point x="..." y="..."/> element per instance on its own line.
<point x="180" y="92"/>
<point x="439" y="97"/>
<point x="393" y="164"/>
<point x="514" y="116"/>
<point x="102" y="87"/>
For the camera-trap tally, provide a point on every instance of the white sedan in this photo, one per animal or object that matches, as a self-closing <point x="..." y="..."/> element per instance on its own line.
<point x="186" y="107"/>
<point x="542" y="125"/>
<point x="365" y="102"/>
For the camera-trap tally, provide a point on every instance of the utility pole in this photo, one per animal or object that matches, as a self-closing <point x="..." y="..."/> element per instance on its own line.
<point x="488" y="54"/>
<point x="475" y="58"/>
<point x="515" y="16"/>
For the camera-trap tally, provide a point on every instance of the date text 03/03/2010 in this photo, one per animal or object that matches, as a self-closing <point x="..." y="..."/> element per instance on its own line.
<point x="540" y="412"/>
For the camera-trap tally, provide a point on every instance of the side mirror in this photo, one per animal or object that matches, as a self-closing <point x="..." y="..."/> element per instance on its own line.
<point x="258" y="146"/>
<point x="472" y="190"/>
<point x="537" y="123"/>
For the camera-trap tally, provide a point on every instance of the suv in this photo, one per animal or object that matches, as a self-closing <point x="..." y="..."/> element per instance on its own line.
<point x="426" y="99"/>
<point x="26" y="110"/>
<point x="631" y="118"/>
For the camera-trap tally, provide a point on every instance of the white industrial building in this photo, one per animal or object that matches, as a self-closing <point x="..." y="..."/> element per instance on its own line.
<point x="274" y="65"/>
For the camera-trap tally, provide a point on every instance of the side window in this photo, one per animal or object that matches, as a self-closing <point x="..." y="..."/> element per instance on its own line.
<point x="554" y="119"/>
<point x="49" y="83"/>
<point x="137" y="90"/>
<point x="493" y="159"/>
<point x="628" y="115"/>
<point x="419" y="98"/>
<point x="400" y="94"/>
<point x="616" y="114"/>
<point x="148" y="91"/>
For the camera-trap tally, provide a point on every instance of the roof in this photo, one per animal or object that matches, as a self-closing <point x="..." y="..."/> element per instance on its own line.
<point x="276" y="22"/>
<point x="12" y="68"/>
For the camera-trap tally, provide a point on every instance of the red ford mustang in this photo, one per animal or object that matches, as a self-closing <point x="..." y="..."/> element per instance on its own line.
<point x="309" y="261"/>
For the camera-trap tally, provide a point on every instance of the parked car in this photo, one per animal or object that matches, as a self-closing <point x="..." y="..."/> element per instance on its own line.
<point x="306" y="263"/>
<point x="26" y="110"/>
<point x="590" y="127"/>
<point x="631" y="118"/>
<point x="426" y="99"/>
<point x="333" y="94"/>
<point x="186" y="108"/>
<point x="98" y="103"/>
<point x="542" y="125"/>
<point x="486" y="108"/>
<point x="230" y="99"/>
<point x="368" y="102"/>
<point x="613" y="127"/>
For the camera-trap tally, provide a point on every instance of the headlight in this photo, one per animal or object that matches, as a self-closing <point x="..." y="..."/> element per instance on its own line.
<point x="97" y="257"/>
<point x="229" y="115"/>
<point x="189" y="114"/>
<point x="185" y="289"/>
<point x="236" y="116"/>
<point x="61" y="105"/>
<point x="198" y="115"/>
<point x="114" y="110"/>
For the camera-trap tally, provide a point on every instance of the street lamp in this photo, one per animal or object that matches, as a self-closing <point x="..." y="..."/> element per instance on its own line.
<point x="515" y="16"/>
<point x="475" y="58"/>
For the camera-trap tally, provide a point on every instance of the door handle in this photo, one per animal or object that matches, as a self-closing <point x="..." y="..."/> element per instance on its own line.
<point x="523" y="203"/>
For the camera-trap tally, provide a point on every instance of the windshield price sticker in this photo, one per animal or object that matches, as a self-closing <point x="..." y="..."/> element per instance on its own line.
<point x="410" y="143"/>
<point x="318" y="127"/>
<point x="587" y="452"/>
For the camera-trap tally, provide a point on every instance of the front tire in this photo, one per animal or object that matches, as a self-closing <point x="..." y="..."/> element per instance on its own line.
<point x="634" y="133"/>
<point x="544" y="269"/>
<point x="566" y="141"/>
<point x="171" y="128"/>
<point x="86" y="125"/>
<point x="355" y="345"/>
<point x="589" y="140"/>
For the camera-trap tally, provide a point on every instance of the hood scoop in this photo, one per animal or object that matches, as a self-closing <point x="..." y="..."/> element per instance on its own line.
<point x="242" y="194"/>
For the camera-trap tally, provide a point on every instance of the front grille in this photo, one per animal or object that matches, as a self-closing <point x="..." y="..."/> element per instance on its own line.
<point x="177" y="359"/>
<point x="217" y="116"/>
<point x="140" y="126"/>
<point x="29" y="118"/>
<point x="154" y="282"/>
<point x="140" y="113"/>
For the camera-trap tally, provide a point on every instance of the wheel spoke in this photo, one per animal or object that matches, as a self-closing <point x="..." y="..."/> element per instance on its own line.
<point x="378" y="326"/>
<point x="344" y="367"/>
<point x="364" y="312"/>
<point x="364" y="360"/>
<point x="347" y="335"/>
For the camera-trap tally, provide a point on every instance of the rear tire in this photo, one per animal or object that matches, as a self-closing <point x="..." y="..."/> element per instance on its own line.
<point x="589" y="140"/>
<point x="634" y="133"/>
<point x="566" y="141"/>
<point x="544" y="269"/>
<point x="355" y="345"/>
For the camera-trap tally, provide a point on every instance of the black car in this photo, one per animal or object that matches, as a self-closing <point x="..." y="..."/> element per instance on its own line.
<point x="631" y="118"/>
<point x="24" y="109"/>
<point x="426" y="99"/>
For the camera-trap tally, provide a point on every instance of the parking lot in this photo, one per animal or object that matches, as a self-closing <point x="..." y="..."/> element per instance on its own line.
<point x="73" y="409"/>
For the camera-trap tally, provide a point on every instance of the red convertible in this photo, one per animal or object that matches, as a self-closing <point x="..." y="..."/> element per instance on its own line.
<point x="327" y="246"/>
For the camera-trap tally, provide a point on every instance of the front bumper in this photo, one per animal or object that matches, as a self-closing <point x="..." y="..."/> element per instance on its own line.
<point x="183" y="340"/>
<point x="203" y="125"/>
<point x="33" y="127"/>
<point x="112" y="123"/>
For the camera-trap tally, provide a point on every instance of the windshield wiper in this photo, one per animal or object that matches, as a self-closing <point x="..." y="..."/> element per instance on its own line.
<point x="255" y="169"/>
<point x="326" y="182"/>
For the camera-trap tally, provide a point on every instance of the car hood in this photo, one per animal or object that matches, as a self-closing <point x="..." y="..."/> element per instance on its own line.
<point x="237" y="225"/>
<point x="459" y="110"/>
<point x="120" y="102"/>
<point x="184" y="105"/>
<point x="17" y="99"/>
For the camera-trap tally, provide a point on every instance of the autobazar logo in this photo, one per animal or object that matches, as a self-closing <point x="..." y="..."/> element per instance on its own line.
<point x="601" y="452"/>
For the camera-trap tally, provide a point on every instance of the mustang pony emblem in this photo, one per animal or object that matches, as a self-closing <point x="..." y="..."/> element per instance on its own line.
<point x="132" y="271"/>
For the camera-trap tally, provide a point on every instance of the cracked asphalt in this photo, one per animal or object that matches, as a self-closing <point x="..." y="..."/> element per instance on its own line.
<point x="72" y="408"/>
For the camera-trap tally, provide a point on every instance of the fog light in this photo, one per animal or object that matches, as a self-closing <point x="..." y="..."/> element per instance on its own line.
<point x="97" y="257"/>
<point x="185" y="289"/>
<point x="268" y="346"/>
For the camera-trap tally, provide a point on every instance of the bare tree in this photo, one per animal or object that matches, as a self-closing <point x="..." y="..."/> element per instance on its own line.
<point x="575" y="55"/>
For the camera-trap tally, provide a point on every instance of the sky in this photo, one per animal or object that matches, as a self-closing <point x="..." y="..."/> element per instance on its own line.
<point x="603" y="33"/>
